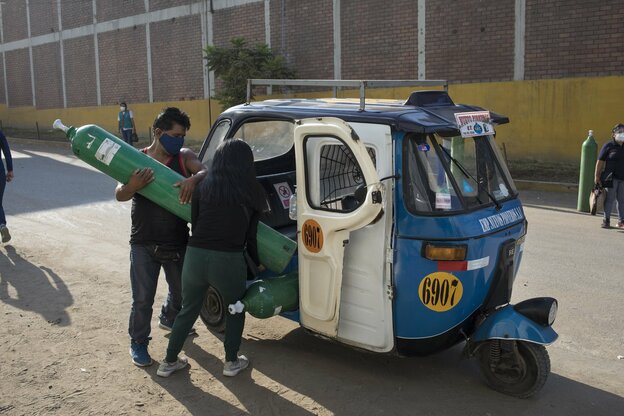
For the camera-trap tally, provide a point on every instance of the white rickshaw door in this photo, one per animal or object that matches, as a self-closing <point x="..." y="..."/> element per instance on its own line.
<point x="332" y="163"/>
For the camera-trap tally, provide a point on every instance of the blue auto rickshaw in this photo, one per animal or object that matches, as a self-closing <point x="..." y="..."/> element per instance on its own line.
<point x="409" y="226"/>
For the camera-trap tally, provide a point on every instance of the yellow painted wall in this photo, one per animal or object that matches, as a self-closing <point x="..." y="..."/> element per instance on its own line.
<point x="549" y="118"/>
<point x="106" y="116"/>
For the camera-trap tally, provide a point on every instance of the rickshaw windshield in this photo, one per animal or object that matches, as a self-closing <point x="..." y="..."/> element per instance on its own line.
<point x="450" y="174"/>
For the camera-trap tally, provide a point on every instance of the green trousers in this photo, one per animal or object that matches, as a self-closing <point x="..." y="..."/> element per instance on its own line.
<point x="227" y="273"/>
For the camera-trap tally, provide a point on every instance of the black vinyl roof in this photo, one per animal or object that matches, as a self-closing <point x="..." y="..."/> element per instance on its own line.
<point x="409" y="118"/>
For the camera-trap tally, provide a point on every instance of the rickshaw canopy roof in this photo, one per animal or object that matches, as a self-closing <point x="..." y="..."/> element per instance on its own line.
<point x="404" y="117"/>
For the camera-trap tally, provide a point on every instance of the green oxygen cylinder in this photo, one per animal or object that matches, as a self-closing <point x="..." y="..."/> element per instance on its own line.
<point x="114" y="157"/>
<point x="269" y="297"/>
<point x="587" y="169"/>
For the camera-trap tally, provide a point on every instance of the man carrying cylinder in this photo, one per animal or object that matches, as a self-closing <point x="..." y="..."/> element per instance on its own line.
<point x="158" y="238"/>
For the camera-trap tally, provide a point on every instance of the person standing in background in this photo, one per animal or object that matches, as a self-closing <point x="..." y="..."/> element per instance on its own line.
<point x="610" y="175"/>
<point x="4" y="179"/>
<point x="125" y="121"/>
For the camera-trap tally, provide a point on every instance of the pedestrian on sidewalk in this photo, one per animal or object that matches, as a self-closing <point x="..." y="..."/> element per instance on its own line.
<point x="610" y="175"/>
<point x="5" y="177"/>
<point x="158" y="238"/>
<point x="125" y="120"/>
<point x="225" y="213"/>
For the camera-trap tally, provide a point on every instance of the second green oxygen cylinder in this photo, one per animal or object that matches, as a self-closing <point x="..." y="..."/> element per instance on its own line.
<point x="269" y="297"/>
<point x="114" y="157"/>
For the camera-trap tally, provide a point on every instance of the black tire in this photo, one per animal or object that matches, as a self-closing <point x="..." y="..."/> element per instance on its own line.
<point x="213" y="311"/>
<point x="521" y="371"/>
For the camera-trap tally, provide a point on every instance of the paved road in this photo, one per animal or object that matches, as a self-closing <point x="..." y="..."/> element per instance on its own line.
<point x="64" y="295"/>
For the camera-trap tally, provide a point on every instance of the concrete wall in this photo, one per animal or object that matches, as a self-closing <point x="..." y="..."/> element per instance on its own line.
<point x="549" y="118"/>
<point x="555" y="67"/>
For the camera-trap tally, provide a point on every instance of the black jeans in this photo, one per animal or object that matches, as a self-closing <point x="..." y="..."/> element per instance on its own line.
<point x="145" y="264"/>
<point x="2" y="185"/>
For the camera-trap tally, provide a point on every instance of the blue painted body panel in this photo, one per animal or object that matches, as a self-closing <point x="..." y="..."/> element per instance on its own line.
<point x="412" y="319"/>
<point x="506" y="323"/>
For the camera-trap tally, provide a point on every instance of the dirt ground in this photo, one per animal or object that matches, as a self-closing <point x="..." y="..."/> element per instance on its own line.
<point x="65" y="298"/>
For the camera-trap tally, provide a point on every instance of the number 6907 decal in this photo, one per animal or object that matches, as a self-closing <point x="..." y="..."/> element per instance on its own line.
<point x="440" y="291"/>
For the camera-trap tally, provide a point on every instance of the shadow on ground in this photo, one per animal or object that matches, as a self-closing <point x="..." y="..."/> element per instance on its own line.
<point x="326" y="375"/>
<point x="42" y="182"/>
<point x="29" y="287"/>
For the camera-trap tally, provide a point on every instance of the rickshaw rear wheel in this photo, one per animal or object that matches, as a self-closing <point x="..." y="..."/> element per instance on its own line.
<point x="212" y="312"/>
<point x="515" y="368"/>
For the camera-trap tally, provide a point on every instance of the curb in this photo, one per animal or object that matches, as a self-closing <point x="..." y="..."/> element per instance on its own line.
<point x="54" y="143"/>
<point x="546" y="186"/>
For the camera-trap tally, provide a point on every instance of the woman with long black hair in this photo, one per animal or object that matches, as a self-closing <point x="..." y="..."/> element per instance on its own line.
<point x="224" y="221"/>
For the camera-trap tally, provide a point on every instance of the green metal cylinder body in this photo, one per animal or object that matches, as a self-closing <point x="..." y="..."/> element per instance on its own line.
<point x="267" y="298"/>
<point x="589" y="153"/>
<point x="114" y="157"/>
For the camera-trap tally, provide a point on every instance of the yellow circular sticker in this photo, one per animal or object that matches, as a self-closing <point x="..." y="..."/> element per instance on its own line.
<point x="312" y="236"/>
<point x="440" y="291"/>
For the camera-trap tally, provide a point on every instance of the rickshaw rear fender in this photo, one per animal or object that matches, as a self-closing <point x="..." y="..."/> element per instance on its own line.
<point x="508" y="324"/>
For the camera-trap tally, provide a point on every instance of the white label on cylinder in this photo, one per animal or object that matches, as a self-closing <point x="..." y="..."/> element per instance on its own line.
<point x="107" y="151"/>
<point x="277" y="310"/>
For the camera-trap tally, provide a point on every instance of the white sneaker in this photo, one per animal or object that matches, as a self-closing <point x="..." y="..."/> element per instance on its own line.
<point x="231" y="368"/>
<point x="166" y="369"/>
<point x="4" y="232"/>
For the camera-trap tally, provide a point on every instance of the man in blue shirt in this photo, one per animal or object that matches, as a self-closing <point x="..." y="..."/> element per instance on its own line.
<point x="610" y="175"/>
<point x="4" y="179"/>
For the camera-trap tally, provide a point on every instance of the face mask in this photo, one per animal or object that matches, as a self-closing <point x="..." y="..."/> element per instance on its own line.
<point x="171" y="144"/>
<point x="619" y="137"/>
<point x="122" y="108"/>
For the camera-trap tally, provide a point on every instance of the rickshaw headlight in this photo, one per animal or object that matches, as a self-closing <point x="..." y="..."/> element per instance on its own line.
<point x="540" y="310"/>
<point x="553" y="312"/>
<point x="444" y="253"/>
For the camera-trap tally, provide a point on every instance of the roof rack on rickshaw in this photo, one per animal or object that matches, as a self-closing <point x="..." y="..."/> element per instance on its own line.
<point x="335" y="84"/>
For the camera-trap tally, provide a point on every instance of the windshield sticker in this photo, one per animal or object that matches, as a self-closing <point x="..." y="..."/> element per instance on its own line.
<point x="443" y="200"/>
<point x="475" y="123"/>
<point x="466" y="187"/>
<point x="284" y="193"/>
<point x="106" y="152"/>
<point x="440" y="291"/>
<point x="500" y="220"/>
<point x="424" y="147"/>
<point x="501" y="192"/>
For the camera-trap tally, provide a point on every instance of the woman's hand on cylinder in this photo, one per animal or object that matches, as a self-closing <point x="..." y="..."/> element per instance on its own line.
<point x="187" y="186"/>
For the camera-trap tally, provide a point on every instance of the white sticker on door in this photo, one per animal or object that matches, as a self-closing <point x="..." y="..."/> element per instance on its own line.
<point x="106" y="152"/>
<point x="284" y="193"/>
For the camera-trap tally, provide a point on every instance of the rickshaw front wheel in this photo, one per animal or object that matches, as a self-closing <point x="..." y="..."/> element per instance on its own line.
<point x="516" y="368"/>
<point x="212" y="312"/>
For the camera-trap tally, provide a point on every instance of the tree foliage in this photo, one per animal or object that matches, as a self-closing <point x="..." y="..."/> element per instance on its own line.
<point x="234" y="65"/>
